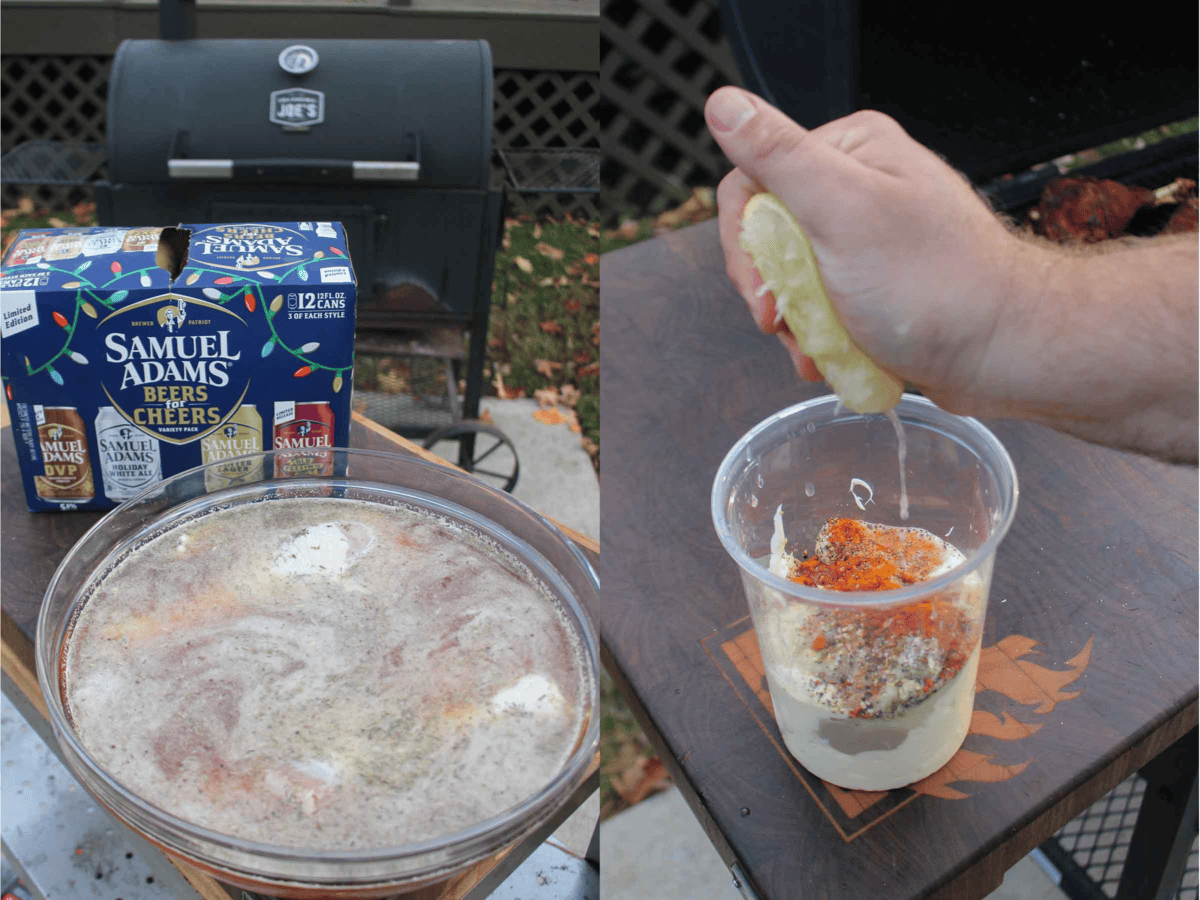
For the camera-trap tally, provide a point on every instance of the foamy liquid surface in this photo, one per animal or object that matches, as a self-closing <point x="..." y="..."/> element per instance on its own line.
<point x="325" y="673"/>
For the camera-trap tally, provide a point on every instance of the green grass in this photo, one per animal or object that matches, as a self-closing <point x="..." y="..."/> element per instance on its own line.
<point x="544" y="334"/>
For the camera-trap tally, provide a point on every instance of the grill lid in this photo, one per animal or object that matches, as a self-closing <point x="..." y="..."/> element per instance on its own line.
<point x="317" y="111"/>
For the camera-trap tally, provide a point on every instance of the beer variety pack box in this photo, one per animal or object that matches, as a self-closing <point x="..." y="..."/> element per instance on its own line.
<point x="132" y="354"/>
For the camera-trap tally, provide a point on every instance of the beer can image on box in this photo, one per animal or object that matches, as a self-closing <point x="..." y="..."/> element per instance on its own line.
<point x="28" y="250"/>
<point x="141" y="240"/>
<point x="240" y="435"/>
<point x="65" y="246"/>
<point x="306" y="431"/>
<point x="130" y="459"/>
<point x="66" y="466"/>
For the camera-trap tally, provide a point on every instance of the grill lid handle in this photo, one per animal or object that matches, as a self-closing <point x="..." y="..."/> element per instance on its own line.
<point x="302" y="170"/>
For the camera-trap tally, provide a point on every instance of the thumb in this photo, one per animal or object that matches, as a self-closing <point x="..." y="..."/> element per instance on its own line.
<point x="781" y="155"/>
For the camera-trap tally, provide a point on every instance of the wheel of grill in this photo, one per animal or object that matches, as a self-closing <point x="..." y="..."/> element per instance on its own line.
<point x="492" y="457"/>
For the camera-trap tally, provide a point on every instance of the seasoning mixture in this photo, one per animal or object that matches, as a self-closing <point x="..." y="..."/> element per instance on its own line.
<point x="325" y="673"/>
<point x="870" y="662"/>
<point x="871" y="698"/>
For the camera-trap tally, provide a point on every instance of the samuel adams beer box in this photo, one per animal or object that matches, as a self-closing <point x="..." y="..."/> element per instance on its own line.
<point x="132" y="354"/>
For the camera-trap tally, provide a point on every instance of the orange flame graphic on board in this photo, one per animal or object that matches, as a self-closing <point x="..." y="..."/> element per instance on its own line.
<point x="1005" y="668"/>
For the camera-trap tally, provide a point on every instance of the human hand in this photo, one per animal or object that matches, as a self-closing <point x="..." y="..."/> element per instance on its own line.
<point x="916" y="264"/>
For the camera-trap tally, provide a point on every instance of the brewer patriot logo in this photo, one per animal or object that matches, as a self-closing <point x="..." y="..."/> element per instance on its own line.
<point x="176" y="367"/>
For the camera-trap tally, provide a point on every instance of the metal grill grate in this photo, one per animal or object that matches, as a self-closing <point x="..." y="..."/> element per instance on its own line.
<point x="1098" y="839"/>
<point x="659" y="61"/>
<point x="60" y="98"/>
<point x="412" y="395"/>
<point x="52" y="162"/>
<point x="545" y="127"/>
<point x="552" y="169"/>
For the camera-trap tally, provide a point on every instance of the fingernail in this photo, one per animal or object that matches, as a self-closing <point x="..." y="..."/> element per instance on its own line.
<point x="729" y="110"/>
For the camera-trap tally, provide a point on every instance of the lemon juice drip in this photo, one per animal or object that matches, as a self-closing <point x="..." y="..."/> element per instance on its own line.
<point x="901" y="450"/>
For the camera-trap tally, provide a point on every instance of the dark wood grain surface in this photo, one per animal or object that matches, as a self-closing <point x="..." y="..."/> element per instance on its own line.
<point x="1090" y="636"/>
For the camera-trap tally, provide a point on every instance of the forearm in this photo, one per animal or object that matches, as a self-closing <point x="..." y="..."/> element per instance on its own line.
<point x="1103" y="345"/>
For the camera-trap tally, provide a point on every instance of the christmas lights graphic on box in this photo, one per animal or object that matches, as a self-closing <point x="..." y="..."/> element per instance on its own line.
<point x="132" y="354"/>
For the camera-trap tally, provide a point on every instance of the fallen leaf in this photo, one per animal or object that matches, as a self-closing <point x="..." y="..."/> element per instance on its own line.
<point x="547" y="250"/>
<point x="628" y="229"/>
<point x="572" y="421"/>
<point x="505" y="393"/>
<point x="569" y="394"/>
<point x="591" y="259"/>
<point x="596" y="334"/>
<point x="84" y="210"/>
<point x="646" y="777"/>
<point x="56" y="222"/>
<point x="550" y="416"/>
<point x="571" y="306"/>
<point x="582" y="357"/>
<point x="546" y="282"/>
<point x="550" y="327"/>
<point x="486" y="417"/>
<point x="25" y="205"/>
<point x="546" y="396"/>
<point x="394" y="382"/>
<point x="537" y="230"/>
<point x="593" y="369"/>
<point x="547" y="368"/>
<point x="523" y="264"/>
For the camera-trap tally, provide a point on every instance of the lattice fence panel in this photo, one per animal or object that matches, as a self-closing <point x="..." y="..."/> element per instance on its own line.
<point x="51" y="98"/>
<point x="659" y="61"/>
<point x="63" y="98"/>
<point x="556" y="110"/>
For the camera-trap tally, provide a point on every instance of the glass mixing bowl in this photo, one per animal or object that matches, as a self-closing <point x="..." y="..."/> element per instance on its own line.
<point x="287" y="871"/>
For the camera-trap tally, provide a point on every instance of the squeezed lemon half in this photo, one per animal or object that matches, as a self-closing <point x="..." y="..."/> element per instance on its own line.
<point x="788" y="266"/>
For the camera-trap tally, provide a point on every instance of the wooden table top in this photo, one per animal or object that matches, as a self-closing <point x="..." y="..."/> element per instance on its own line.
<point x="33" y="544"/>
<point x="1089" y="666"/>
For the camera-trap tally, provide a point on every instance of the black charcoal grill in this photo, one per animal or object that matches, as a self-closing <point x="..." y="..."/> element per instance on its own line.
<point x="995" y="93"/>
<point x="392" y="138"/>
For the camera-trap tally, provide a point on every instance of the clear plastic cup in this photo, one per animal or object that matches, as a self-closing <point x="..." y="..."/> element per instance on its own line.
<point x="871" y="690"/>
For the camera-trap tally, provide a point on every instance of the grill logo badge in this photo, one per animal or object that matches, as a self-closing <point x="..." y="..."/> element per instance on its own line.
<point x="297" y="108"/>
